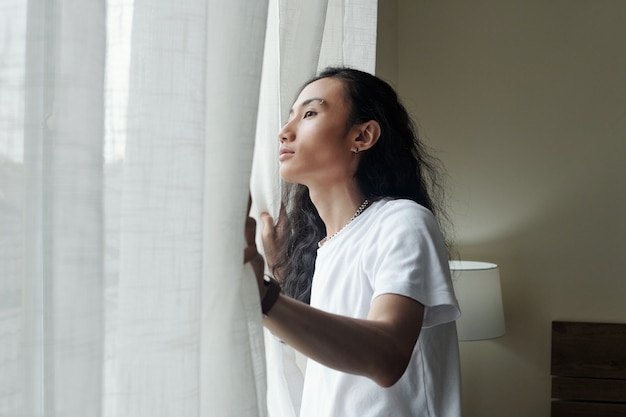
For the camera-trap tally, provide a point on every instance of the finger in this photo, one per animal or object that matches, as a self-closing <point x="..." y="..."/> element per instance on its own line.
<point x="268" y="233"/>
<point x="249" y="254"/>
<point x="258" y="265"/>
<point x="250" y="231"/>
<point x="267" y="220"/>
<point x="282" y="218"/>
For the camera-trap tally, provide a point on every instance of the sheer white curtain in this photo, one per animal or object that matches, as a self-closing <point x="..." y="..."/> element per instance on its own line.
<point x="184" y="344"/>
<point x="125" y="158"/>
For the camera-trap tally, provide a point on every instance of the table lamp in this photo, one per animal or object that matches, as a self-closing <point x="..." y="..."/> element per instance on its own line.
<point x="477" y="288"/>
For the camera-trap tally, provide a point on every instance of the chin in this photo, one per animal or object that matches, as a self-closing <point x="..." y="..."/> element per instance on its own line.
<point x="292" y="176"/>
<point x="289" y="180"/>
<point x="284" y="175"/>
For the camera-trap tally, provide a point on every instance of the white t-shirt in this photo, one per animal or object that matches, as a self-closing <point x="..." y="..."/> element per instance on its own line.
<point x="396" y="247"/>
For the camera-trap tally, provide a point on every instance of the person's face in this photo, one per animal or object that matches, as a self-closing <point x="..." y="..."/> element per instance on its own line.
<point x="316" y="143"/>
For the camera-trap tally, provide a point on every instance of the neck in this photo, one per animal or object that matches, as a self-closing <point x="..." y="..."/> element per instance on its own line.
<point x="336" y="206"/>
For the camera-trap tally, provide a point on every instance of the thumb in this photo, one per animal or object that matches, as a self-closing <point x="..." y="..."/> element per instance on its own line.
<point x="268" y="223"/>
<point x="268" y="236"/>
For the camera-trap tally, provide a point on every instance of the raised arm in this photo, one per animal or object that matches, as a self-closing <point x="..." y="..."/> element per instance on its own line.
<point x="378" y="347"/>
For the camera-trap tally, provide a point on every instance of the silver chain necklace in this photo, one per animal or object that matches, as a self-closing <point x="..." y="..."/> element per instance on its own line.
<point x="360" y="210"/>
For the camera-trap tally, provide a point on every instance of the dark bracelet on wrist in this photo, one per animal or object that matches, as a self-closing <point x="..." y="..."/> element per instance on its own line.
<point x="272" y="291"/>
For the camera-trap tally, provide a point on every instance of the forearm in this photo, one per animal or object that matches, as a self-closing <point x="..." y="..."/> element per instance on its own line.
<point x="371" y="348"/>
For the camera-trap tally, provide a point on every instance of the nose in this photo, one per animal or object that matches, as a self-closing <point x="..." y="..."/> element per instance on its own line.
<point x="286" y="133"/>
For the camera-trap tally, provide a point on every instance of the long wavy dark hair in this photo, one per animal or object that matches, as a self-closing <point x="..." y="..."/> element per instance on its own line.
<point x="397" y="166"/>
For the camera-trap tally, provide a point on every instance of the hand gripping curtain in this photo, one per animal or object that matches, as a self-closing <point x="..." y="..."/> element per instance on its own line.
<point x="121" y="286"/>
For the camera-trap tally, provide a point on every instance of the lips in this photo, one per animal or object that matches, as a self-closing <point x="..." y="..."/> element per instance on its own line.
<point x="284" y="153"/>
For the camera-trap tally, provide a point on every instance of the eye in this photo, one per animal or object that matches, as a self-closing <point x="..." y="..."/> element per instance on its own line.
<point x="308" y="114"/>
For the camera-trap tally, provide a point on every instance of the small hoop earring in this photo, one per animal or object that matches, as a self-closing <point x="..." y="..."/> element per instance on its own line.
<point x="356" y="150"/>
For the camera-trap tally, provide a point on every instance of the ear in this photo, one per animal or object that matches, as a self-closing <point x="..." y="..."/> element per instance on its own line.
<point x="367" y="135"/>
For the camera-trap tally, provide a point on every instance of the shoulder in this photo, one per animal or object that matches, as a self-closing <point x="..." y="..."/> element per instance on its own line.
<point x="402" y="212"/>
<point x="405" y="223"/>
<point x="401" y="205"/>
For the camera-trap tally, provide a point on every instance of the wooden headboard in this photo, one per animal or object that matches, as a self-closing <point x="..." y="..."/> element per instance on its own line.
<point x="588" y="369"/>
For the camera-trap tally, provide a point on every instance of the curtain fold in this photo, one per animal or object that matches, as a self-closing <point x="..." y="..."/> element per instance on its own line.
<point x="62" y="276"/>
<point x="231" y="111"/>
<point x="183" y="342"/>
<point x="160" y="203"/>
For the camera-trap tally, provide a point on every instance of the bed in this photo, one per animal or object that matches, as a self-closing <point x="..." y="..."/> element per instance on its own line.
<point x="588" y="367"/>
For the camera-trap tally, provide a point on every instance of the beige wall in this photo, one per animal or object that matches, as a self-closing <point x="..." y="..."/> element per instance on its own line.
<point x="526" y="102"/>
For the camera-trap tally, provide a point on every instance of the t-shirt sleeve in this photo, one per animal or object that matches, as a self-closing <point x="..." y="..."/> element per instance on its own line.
<point x="410" y="259"/>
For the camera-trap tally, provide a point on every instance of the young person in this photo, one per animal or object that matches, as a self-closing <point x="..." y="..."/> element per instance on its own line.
<point x="359" y="256"/>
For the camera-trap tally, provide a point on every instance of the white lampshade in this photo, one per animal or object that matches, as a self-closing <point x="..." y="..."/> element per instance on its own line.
<point x="477" y="288"/>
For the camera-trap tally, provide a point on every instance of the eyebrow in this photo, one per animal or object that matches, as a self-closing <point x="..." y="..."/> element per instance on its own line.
<point x="309" y="101"/>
